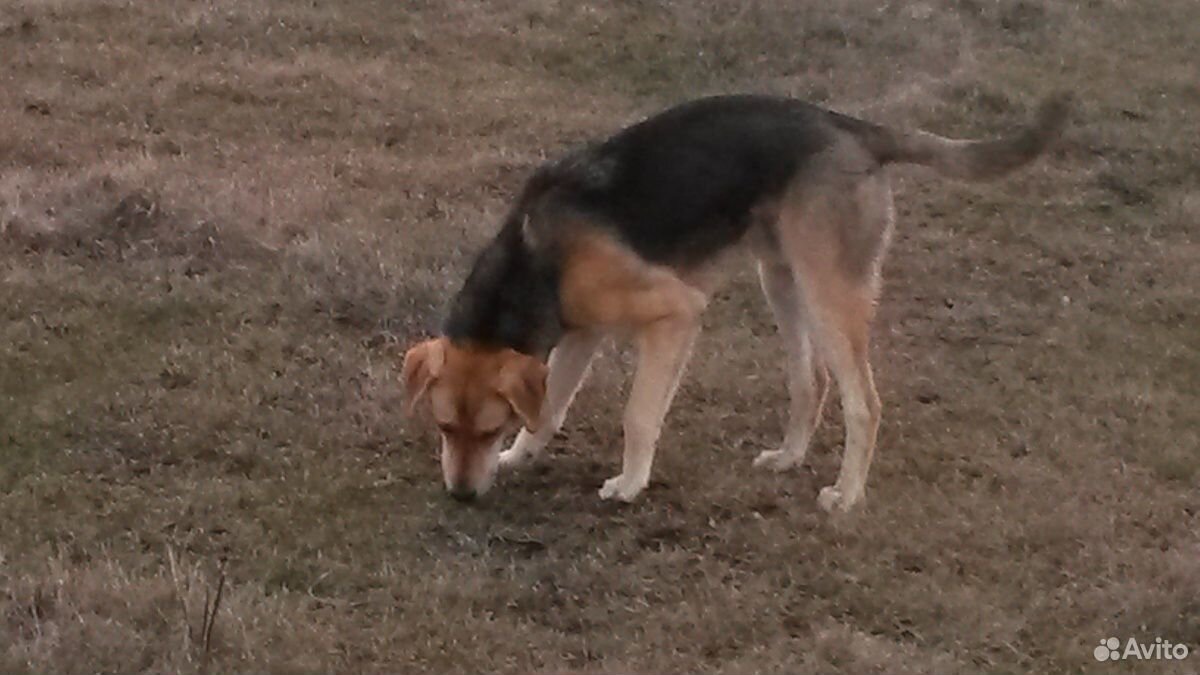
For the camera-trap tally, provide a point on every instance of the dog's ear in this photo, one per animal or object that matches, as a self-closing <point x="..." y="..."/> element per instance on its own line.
<point x="523" y="383"/>
<point x="422" y="364"/>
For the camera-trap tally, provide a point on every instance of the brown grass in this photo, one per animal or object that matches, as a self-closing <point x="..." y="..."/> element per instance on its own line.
<point x="218" y="219"/>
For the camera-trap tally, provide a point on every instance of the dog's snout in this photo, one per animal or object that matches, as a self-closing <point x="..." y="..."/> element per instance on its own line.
<point x="463" y="493"/>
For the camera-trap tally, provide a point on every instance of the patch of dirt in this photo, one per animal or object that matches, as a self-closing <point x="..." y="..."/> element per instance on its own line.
<point x="102" y="221"/>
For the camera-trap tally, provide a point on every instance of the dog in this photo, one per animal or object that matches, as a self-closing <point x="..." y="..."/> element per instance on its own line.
<point x="623" y="238"/>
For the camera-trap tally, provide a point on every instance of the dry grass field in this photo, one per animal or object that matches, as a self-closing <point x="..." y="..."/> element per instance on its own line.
<point x="219" y="219"/>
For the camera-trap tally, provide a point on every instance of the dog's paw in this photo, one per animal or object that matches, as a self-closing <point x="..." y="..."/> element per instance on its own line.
<point x="777" y="460"/>
<point x="833" y="500"/>
<point x="513" y="457"/>
<point x="524" y="448"/>
<point x="622" y="488"/>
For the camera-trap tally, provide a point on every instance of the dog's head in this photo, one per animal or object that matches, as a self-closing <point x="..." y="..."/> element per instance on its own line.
<point x="476" y="396"/>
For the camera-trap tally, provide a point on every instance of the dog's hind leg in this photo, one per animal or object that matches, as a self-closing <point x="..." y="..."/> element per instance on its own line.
<point x="843" y="314"/>
<point x="569" y="363"/>
<point x="834" y="237"/>
<point x="807" y="379"/>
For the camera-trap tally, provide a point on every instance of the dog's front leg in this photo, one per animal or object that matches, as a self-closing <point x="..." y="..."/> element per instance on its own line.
<point x="663" y="349"/>
<point x="568" y="367"/>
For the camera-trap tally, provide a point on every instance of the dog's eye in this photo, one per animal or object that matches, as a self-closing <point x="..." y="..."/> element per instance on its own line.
<point x="448" y="429"/>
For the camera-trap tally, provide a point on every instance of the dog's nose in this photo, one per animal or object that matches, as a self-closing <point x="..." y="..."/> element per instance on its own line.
<point x="463" y="494"/>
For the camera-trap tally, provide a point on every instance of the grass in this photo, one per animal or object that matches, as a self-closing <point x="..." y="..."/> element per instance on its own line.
<point x="219" y="221"/>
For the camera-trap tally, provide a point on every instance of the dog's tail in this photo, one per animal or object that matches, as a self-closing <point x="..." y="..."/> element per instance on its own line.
<point x="970" y="159"/>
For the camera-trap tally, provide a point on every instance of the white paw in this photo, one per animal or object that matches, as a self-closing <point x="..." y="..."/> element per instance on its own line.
<point x="513" y="457"/>
<point x="777" y="460"/>
<point x="622" y="488"/>
<point x="832" y="499"/>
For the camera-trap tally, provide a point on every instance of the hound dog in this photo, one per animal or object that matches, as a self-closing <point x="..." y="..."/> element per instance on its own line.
<point x="621" y="238"/>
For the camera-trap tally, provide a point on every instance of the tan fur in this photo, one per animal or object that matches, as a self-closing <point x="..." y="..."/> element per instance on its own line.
<point x="606" y="286"/>
<point x="422" y="364"/>
<point x="476" y="396"/>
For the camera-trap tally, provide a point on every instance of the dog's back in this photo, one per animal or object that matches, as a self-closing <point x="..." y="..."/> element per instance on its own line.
<point x="687" y="183"/>
<point x="681" y="186"/>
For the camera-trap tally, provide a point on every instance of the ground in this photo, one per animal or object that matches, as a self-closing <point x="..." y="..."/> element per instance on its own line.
<point x="220" y="221"/>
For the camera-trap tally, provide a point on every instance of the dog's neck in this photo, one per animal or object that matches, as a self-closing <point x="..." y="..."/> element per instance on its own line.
<point x="510" y="298"/>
